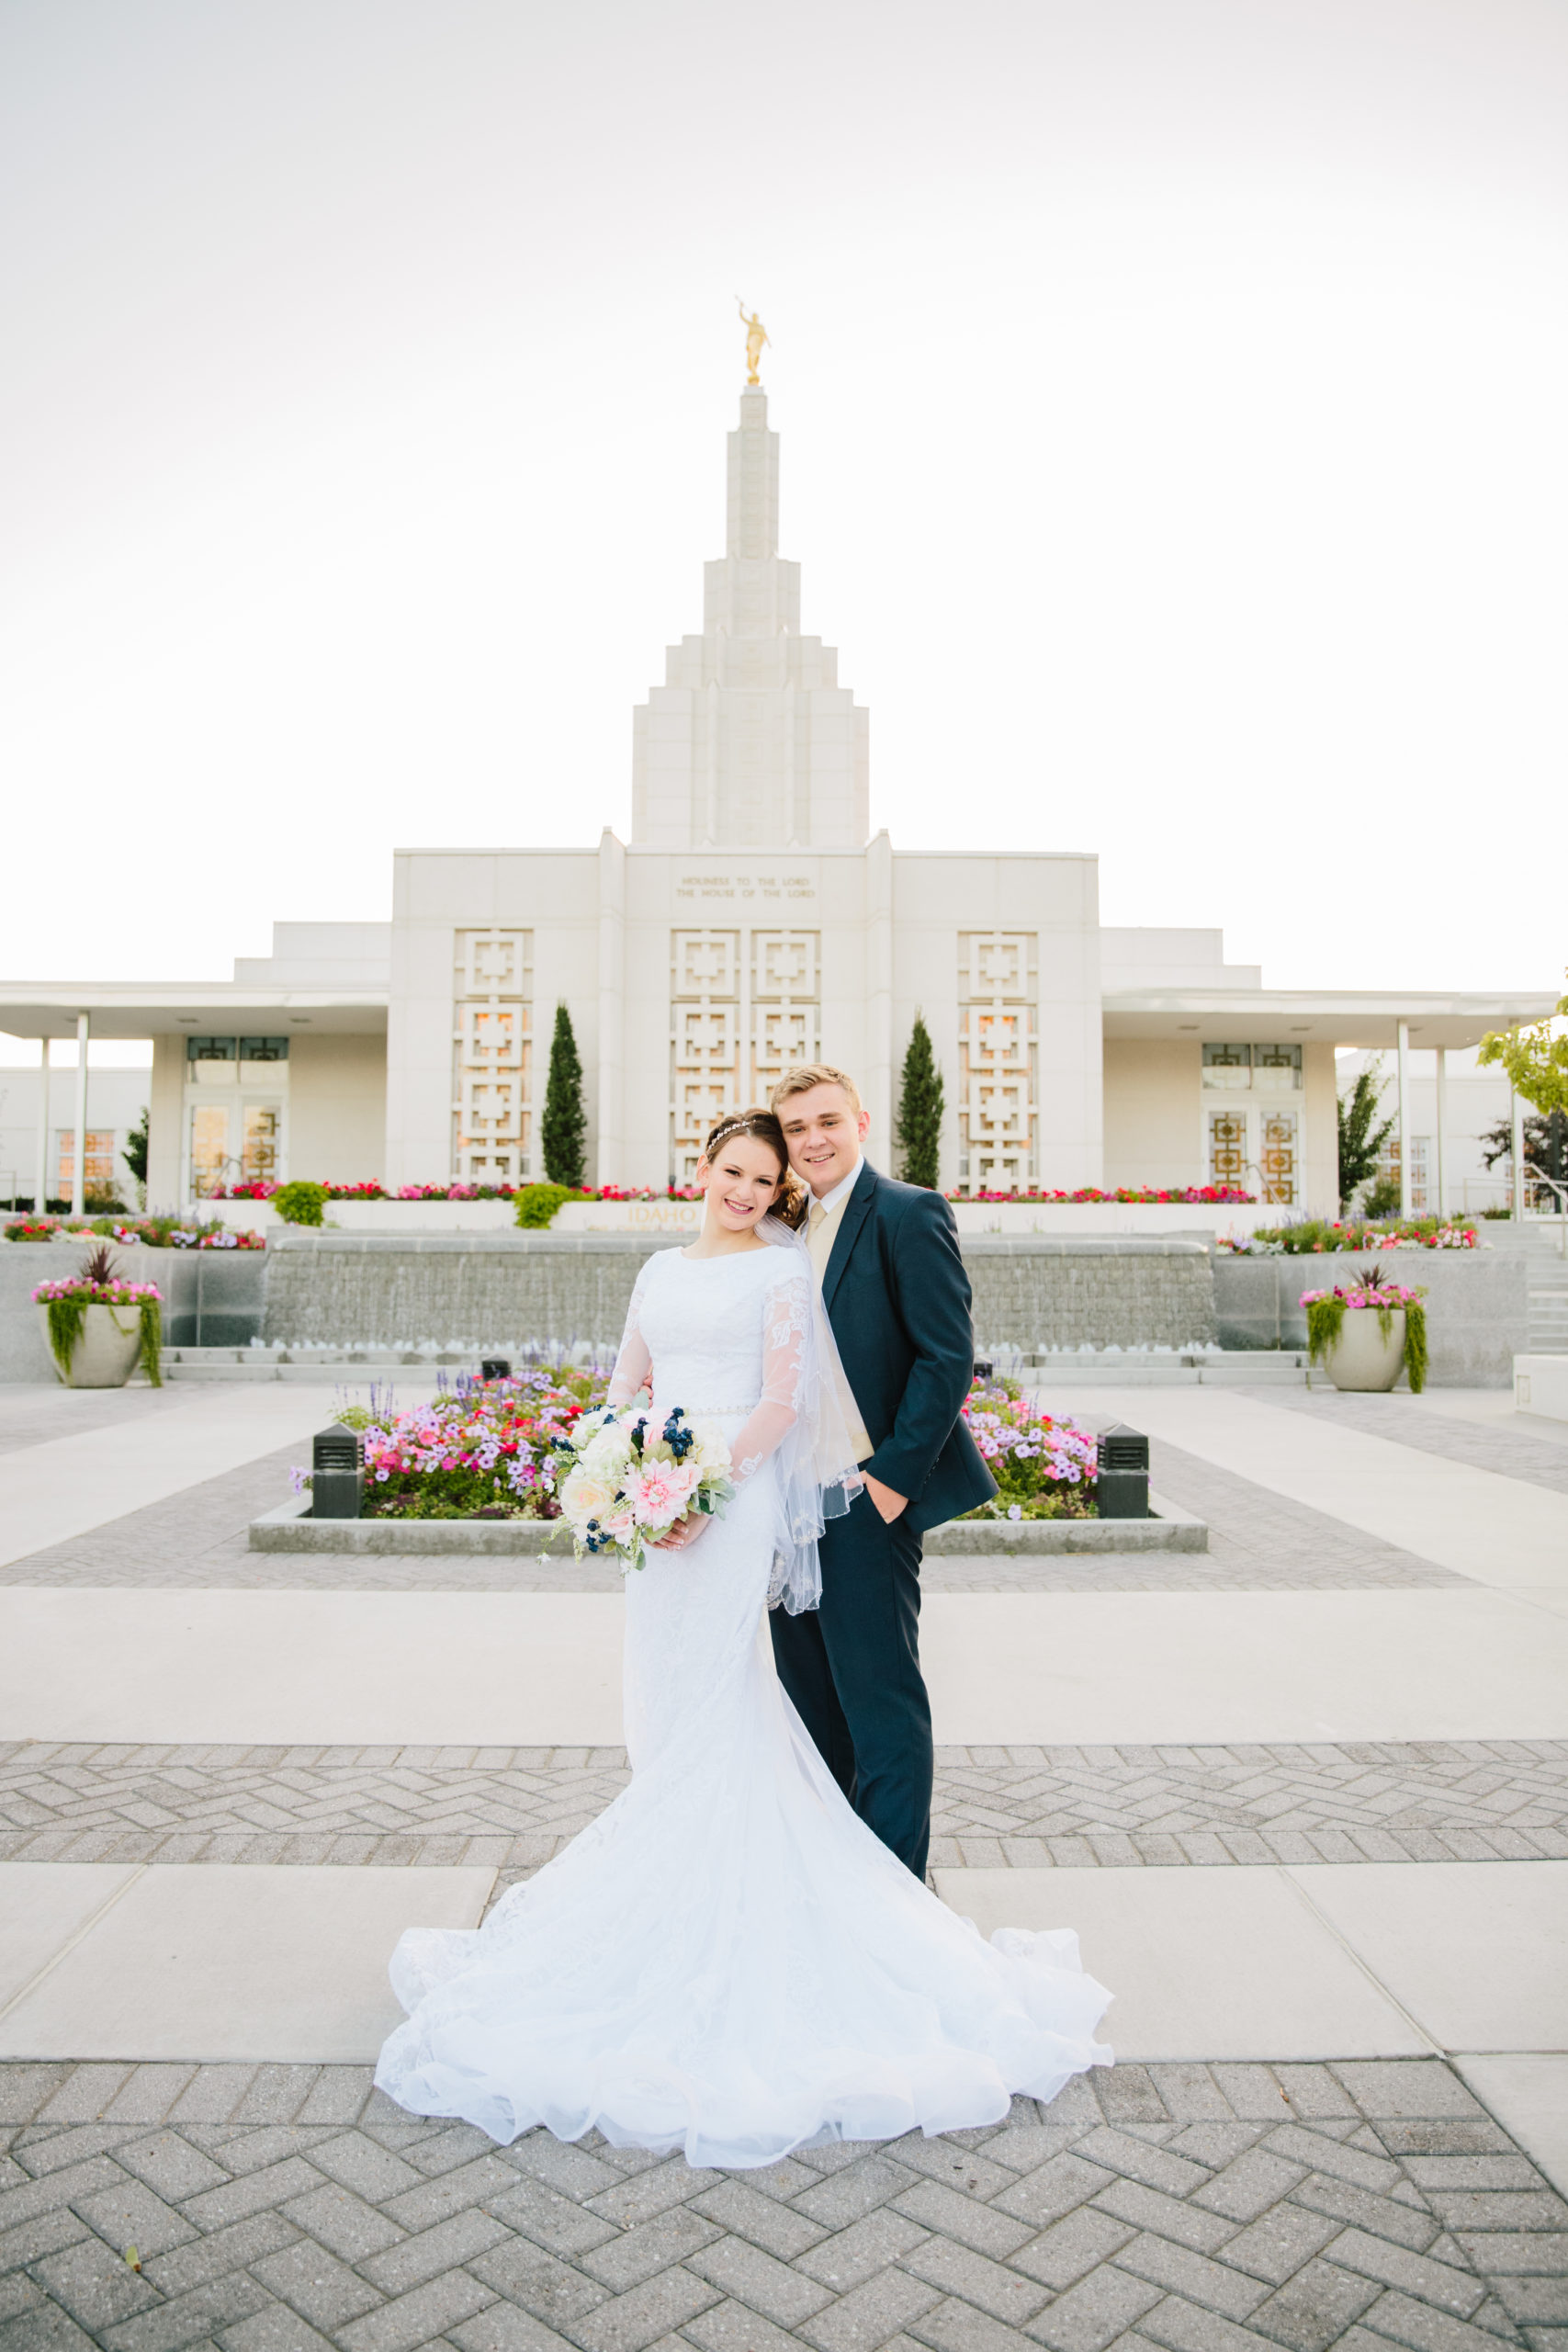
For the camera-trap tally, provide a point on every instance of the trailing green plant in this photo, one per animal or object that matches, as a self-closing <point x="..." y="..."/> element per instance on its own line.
<point x="537" y="1204"/>
<point x="563" y="1128"/>
<point x="917" y="1129"/>
<point x="1369" y="1292"/>
<point x="67" y="1321"/>
<point x="301" y="1203"/>
<point x="1361" y="1139"/>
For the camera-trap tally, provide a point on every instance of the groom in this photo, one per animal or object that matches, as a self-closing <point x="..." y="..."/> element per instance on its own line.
<point x="898" y="1297"/>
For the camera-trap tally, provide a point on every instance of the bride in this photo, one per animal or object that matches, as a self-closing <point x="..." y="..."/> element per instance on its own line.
<point x="729" y="1962"/>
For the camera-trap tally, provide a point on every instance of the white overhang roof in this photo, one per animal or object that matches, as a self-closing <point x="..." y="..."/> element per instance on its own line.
<point x="1318" y="1016"/>
<point x="156" y="1009"/>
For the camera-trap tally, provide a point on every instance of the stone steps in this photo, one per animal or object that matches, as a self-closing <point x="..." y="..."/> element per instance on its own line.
<point x="1224" y="1368"/>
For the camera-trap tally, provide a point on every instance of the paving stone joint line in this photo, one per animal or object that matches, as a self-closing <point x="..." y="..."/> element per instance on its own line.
<point x="1193" y="2208"/>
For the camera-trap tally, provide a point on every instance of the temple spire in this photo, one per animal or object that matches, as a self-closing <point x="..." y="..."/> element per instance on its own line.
<point x="752" y="505"/>
<point x="751" y="742"/>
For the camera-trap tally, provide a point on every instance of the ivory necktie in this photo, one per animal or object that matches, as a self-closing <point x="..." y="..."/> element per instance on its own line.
<point x="819" y="1240"/>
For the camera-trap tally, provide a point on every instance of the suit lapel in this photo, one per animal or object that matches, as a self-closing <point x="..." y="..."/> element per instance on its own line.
<point x="857" y="1208"/>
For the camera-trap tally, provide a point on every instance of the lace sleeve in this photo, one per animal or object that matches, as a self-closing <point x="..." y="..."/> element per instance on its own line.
<point x="786" y="1321"/>
<point x="634" y="1362"/>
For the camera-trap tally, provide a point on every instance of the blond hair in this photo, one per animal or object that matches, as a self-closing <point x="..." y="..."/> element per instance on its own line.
<point x="806" y="1075"/>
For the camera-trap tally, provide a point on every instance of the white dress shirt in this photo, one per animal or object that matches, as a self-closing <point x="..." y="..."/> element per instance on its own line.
<point x="821" y="1232"/>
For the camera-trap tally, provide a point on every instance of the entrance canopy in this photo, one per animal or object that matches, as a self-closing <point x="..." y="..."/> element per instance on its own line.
<point x="1367" y="1017"/>
<point x="132" y="1009"/>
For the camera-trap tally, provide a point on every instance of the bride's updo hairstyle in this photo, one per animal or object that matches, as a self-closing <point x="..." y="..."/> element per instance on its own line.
<point x="763" y="1125"/>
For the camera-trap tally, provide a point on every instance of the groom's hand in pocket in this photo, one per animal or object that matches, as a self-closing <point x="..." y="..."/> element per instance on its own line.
<point x="888" y="1504"/>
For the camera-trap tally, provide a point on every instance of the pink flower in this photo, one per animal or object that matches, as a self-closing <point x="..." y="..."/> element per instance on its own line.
<point x="659" y="1493"/>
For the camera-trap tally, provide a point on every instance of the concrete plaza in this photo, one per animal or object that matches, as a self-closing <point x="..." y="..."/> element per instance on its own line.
<point x="1304" y="1796"/>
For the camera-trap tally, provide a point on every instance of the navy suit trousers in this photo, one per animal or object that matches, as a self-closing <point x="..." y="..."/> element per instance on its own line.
<point x="852" y="1670"/>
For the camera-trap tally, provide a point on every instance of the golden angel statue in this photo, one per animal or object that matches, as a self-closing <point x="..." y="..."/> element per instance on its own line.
<point x="756" y="336"/>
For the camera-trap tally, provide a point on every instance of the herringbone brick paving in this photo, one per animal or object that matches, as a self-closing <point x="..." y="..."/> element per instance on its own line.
<point x="1188" y="2207"/>
<point x="1026" y="1807"/>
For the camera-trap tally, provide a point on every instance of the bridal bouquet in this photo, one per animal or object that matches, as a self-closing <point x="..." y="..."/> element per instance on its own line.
<point x="630" y="1480"/>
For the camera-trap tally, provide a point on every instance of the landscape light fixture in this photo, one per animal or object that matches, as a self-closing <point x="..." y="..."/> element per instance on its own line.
<point x="337" y="1473"/>
<point x="1123" y="1488"/>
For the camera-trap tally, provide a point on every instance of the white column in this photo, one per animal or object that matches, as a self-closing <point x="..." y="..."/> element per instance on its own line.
<point x="79" y="1173"/>
<point x="1404" y="1118"/>
<point x="1517" y="1108"/>
<point x="879" y="998"/>
<point x="612" y="1156"/>
<point x="1441" y="1058"/>
<point x="40" y="1177"/>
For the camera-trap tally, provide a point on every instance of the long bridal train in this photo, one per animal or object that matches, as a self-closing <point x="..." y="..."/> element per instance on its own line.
<point x="728" y="1960"/>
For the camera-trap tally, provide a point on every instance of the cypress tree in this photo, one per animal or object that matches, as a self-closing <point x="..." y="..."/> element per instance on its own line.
<point x="564" y="1125"/>
<point x="918" y="1131"/>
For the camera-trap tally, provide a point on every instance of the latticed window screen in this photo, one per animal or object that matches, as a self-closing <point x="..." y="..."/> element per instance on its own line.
<point x="705" y="1050"/>
<point x="1277" y="1157"/>
<point x="492" y="986"/>
<point x="1228" y="1146"/>
<point x="743" y="1006"/>
<point x="997" y="994"/>
<point x="785" y="1006"/>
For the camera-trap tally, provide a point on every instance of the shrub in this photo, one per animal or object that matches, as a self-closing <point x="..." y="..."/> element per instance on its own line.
<point x="536" y="1203"/>
<point x="301" y="1203"/>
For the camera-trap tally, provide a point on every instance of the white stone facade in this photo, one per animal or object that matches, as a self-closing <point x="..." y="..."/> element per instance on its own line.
<point x="753" y="920"/>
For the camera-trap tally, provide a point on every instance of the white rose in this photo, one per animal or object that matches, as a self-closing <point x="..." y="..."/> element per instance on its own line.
<point x="586" y="1495"/>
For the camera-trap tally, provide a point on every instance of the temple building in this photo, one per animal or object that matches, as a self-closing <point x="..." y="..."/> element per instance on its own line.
<point x="751" y="920"/>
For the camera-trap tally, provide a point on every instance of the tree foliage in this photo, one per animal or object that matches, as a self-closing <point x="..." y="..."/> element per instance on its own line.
<point x="564" y="1127"/>
<point x="917" y="1129"/>
<point x="1361" y="1139"/>
<point x="1545" y="1144"/>
<point x="135" y="1152"/>
<point x="1536" y="1061"/>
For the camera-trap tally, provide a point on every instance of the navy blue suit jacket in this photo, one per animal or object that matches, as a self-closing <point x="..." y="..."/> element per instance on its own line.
<point x="898" y="1300"/>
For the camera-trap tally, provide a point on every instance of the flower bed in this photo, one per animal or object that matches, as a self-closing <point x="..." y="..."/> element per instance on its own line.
<point x="149" y="1232"/>
<point x="371" y="1191"/>
<point x="1044" y="1468"/>
<point x="1135" y="1195"/>
<point x="485" y="1448"/>
<point x="494" y="1449"/>
<point x="1316" y="1237"/>
<point x="1326" y="1310"/>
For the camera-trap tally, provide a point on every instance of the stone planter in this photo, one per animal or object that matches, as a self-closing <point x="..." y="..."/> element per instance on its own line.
<point x="105" y="1355"/>
<point x="290" y="1528"/>
<point x="1362" y="1358"/>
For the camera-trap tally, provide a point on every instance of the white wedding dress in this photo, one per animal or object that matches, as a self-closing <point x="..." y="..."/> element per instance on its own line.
<point x="728" y="1960"/>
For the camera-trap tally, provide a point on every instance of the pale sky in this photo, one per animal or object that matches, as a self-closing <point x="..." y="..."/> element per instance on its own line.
<point x="1172" y="395"/>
